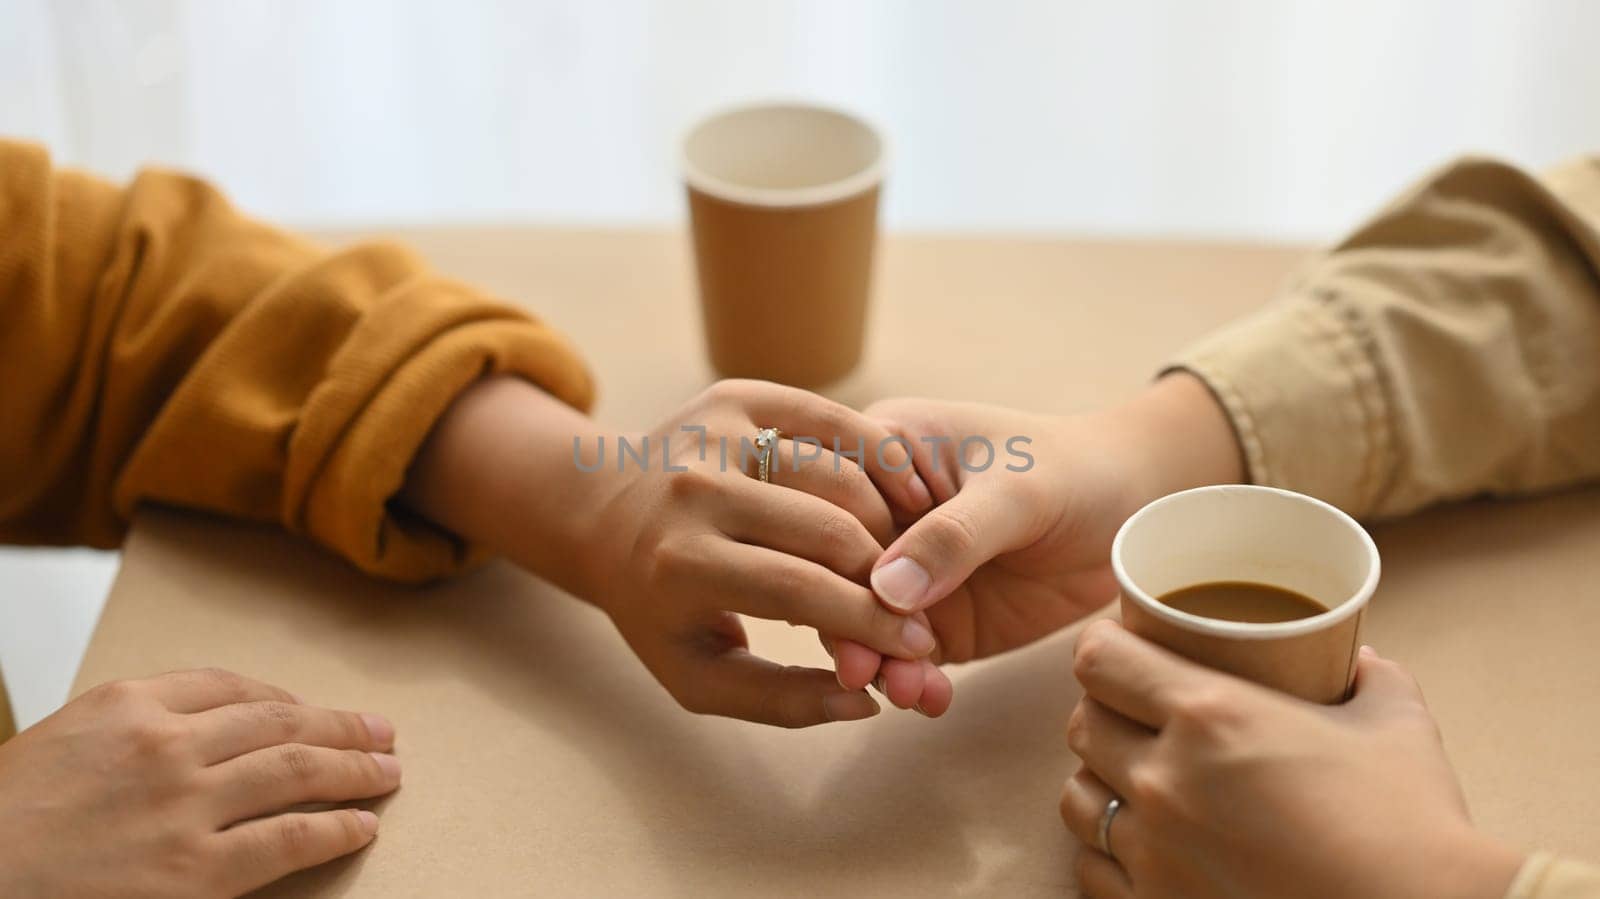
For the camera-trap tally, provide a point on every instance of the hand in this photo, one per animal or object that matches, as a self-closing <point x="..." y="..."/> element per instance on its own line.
<point x="1235" y="791"/>
<point x="674" y="549"/>
<point x="1011" y="555"/>
<point x="178" y="785"/>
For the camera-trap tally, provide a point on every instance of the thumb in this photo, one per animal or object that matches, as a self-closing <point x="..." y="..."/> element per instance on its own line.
<point x="942" y="549"/>
<point x="1383" y="685"/>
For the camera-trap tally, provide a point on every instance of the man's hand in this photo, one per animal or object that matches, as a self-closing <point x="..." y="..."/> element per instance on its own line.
<point x="181" y="785"/>
<point x="1233" y="791"/>
<point x="1019" y="545"/>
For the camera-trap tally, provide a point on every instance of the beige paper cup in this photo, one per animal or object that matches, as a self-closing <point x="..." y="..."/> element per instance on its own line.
<point x="783" y="205"/>
<point x="1263" y="535"/>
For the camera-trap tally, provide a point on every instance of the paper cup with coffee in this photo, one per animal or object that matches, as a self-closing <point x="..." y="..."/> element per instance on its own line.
<point x="783" y="205"/>
<point x="1262" y="583"/>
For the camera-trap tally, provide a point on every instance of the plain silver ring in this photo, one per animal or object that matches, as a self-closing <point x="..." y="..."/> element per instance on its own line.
<point x="1112" y="807"/>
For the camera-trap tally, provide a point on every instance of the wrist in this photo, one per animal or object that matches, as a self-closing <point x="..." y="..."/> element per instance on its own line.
<point x="499" y="470"/>
<point x="1178" y="436"/>
<point x="1468" y="865"/>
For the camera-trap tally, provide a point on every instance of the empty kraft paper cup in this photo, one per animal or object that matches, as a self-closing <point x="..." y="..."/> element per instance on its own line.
<point x="1265" y="536"/>
<point x="783" y="206"/>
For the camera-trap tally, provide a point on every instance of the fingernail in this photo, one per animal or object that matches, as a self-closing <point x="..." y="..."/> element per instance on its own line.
<point x="378" y="728"/>
<point x="917" y="638"/>
<point x="921" y="499"/>
<point x="900" y="583"/>
<point x="369" y="821"/>
<point x="1368" y="651"/>
<point x="389" y="764"/>
<point x="298" y="699"/>
<point x="848" y="706"/>
<point x="919" y="710"/>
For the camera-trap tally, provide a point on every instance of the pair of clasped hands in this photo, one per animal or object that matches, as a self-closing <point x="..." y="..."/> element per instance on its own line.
<point x="193" y="783"/>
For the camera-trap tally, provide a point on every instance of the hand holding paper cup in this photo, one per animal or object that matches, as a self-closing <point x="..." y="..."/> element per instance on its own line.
<point x="1261" y="583"/>
<point x="783" y="203"/>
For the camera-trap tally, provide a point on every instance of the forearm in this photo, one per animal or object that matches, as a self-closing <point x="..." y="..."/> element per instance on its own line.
<point x="499" y="470"/>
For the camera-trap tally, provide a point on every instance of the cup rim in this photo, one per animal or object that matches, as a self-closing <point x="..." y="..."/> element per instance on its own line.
<point x="1243" y="630"/>
<point x="811" y="195"/>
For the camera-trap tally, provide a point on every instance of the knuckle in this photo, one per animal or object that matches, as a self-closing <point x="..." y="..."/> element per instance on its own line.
<point x="363" y="767"/>
<point x="350" y="828"/>
<point x="1149" y="787"/>
<point x="1205" y="709"/>
<point x="352" y="729"/>
<point x="1077" y="730"/>
<point x="777" y="704"/>
<point x="156" y="739"/>
<point x="296" y="764"/>
<point x="728" y="390"/>
<point x="1090" y="652"/>
<point x="839" y="535"/>
<point x="790" y="582"/>
<point x="692" y="484"/>
<point x="951" y="530"/>
<point x="223" y="681"/>
<point x="295" y="836"/>
<point x="278" y="719"/>
<point x="116" y="693"/>
<point x="182" y="859"/>
<point x="669" y="560"/>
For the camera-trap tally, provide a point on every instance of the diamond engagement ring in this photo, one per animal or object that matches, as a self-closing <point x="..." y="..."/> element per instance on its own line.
<point x="766" y="445"/>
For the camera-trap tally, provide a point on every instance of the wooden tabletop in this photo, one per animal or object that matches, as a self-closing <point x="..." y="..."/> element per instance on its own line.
<point x="541" y="758"/>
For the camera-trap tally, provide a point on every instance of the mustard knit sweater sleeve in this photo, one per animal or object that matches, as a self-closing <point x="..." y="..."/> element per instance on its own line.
<point x="157" y="346"/>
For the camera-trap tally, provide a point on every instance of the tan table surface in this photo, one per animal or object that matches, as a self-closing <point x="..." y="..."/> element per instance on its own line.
<point x="540" y="757"/>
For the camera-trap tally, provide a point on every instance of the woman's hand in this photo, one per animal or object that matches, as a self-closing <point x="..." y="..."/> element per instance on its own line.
<point x="673" y="548"/>
<point x="1232" y="790"/>
<point x="1020" y="546"/>
<point x="178" y="785"/>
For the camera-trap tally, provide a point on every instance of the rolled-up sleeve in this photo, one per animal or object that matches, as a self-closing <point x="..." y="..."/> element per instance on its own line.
<point x="1546" y="877"/>
<point x="158" y="346"/>
<point x="1449" y="347"/>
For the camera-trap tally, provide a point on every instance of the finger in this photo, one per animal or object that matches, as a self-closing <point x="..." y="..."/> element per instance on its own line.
<point x="939" y="551"/>
<point x="885" y="457"/>
<point x="901" y="682"/>
<point x="233" y="730"/>
<point x="807" y="467"/>
<point x="856" y="665"/>
<point x="1083" y="804"/>
<point x="1107" y="743"/>
<point x="208" y="688"/>
<point x="937" y="691"/>
<point x="257" y="853"/>
<point x="269" y="780"/>
<point x="1101" y="877"/>
<point x="1084" y="798"/>
<point x="739" y="684"/>
<point x="1137" y="678"/>
<point x="935" y="459"/>
<point x="798" y="524"/>
<point x="769" y="584"/>
<point x="1384" y="687"/>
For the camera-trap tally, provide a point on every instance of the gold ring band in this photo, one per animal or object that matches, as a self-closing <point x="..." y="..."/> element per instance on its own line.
<point x="766" y="444"/>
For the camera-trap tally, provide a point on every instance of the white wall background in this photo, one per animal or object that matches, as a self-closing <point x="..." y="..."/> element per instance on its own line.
<point x="1256" y="118"/>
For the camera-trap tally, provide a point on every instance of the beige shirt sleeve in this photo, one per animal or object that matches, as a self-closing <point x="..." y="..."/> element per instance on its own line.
<point x="1448" y="348"/>
<point x="1547" y="877"/>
